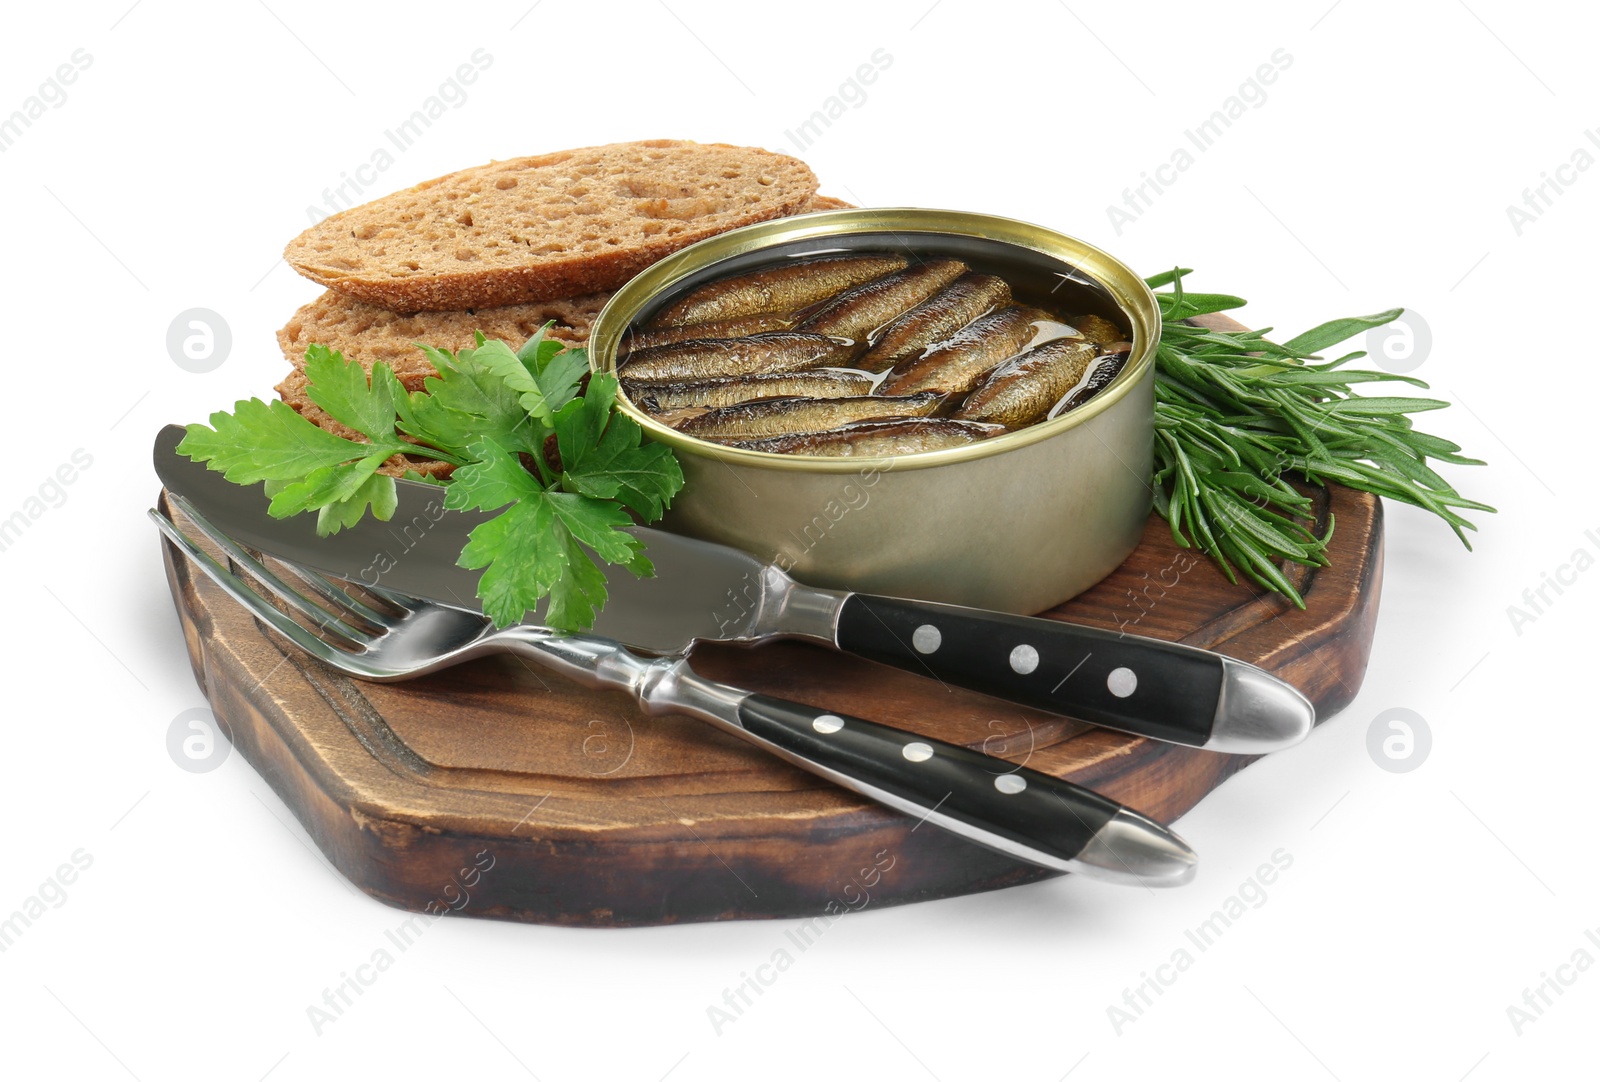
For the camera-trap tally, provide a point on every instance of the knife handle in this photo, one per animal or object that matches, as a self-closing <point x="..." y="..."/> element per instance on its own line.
<point x="1148" y="687"/>
<point x="1017" y="811"/>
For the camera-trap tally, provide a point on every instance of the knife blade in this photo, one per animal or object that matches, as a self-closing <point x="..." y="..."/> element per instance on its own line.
<point x="703" y="591"/>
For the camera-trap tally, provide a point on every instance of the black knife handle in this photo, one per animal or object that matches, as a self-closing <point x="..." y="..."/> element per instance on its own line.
<point x="1139" y="685"/>
<point x="1018" y="811"/>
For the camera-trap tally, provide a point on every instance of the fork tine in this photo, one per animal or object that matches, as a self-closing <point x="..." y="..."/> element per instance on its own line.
<point x="331" y="592"/>
<point x="324" y="620"/>
<point x="400" y="601"/>
<point x="331" y="589"/>
<point x="236" y="588"/>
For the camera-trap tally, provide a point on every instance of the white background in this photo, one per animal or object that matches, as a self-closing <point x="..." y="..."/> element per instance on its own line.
<point x="1377" y="172"/>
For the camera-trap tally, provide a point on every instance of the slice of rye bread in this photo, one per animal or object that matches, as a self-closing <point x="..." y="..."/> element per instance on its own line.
<point x="550" y="226"/>
<point x="367" y="334"/>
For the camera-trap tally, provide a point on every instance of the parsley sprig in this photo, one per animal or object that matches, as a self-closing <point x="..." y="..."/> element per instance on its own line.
<point x="492" y="413"/>
<point x="1238" y="417"/>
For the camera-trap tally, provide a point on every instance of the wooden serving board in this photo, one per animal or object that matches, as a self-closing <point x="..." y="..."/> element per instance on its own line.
<point x="496" y="790"/>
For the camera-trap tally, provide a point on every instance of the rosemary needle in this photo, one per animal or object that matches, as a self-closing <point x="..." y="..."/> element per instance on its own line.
<point x="1238" y="416"/>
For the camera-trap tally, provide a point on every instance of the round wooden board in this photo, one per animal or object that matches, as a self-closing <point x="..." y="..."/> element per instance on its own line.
<point x="494" y="789"/>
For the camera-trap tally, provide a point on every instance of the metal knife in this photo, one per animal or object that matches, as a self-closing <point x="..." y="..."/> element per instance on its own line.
<point x="703" y="591"/>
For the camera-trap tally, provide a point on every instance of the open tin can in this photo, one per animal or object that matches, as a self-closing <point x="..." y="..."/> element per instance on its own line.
<point x="1017" y="522"/>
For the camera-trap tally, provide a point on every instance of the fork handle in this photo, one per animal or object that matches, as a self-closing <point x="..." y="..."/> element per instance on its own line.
<point x="1021" y="812"/>
<point x="1012" y="809"/>
<point x="1018" y="811"/>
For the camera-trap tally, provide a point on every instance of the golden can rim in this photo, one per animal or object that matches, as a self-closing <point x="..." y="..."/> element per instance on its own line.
<point x="1126" y="288"/>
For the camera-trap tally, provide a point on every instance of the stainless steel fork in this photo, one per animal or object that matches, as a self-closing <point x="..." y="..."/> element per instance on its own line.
<point x="1018" y="811"/>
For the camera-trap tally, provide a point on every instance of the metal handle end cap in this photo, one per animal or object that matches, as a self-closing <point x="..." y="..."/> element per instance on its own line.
<point x="1134" y="849"/>
<point x="1257" y="712"/>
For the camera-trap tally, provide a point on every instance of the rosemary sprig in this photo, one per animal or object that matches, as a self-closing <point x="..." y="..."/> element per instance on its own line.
<point x="1238" y="415"/>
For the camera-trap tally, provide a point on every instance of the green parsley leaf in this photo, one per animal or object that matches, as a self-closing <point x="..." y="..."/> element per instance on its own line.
<point x="377" y="491"/>
<point x="559" y="370"/>
<point x="342" y="388"/>
<point x="464" y="401"/>
<point x="261" y="442"/>
<point x="347" y="489"/>
<point x="559" y="381"/>
<point x="538" y="545"/>
<point x="523" y="553"/>
<point x="490" y="412"/>
<point x="545" y="377"/>
<point x="493" y="479"/>
<point x="597" y="524"/>
<point x="579" y="593"/>
<point x="613" y="463"/>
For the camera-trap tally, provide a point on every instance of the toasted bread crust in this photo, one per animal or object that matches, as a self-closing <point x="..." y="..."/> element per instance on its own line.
<point x="555" y="225"/>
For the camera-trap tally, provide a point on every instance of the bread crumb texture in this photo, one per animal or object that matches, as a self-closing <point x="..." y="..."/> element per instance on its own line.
<point x="368" y="334"/>
<point x="554" y="225"/>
